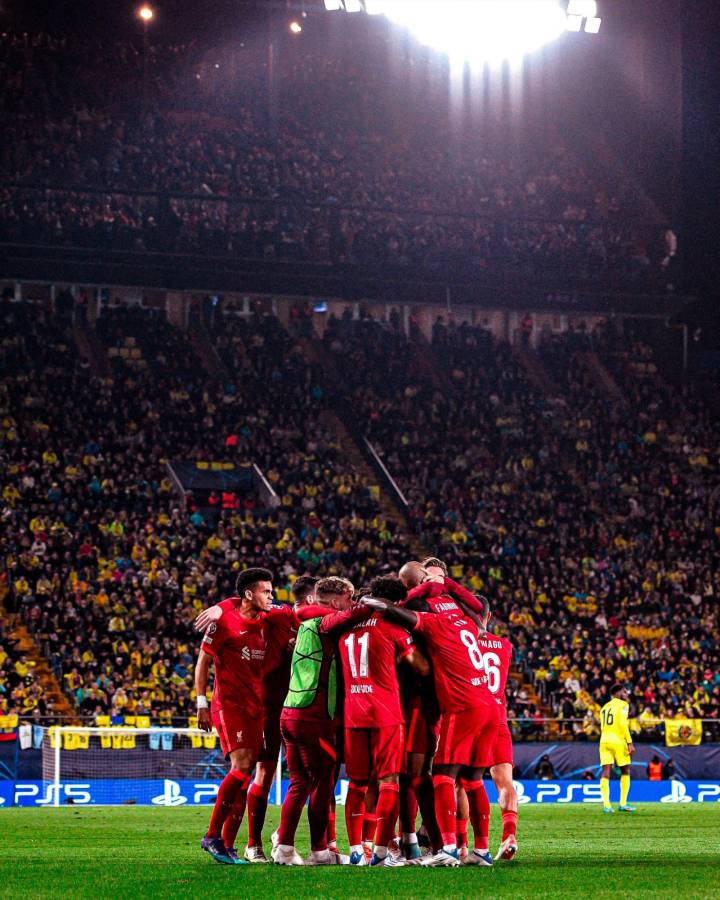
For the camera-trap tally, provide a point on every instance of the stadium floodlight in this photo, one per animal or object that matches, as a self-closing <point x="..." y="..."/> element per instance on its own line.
<point x="574" y="23"/>
<point x="295" y="27"/>
<point x="353" y="6"/>
<point x="477" y="33"/>
<point x="583" y="10"/>
<point x="334" y="5"/>
<point x="146" y="13"/>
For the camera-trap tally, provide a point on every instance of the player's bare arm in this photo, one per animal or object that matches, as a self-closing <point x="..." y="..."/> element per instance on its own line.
<point x="202" y="669"/>
<point x="417" y="662"/>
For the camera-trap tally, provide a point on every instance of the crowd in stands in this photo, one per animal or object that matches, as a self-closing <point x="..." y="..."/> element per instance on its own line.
<point x="100" y="557"/>
<point x="331" y="174"/>
<point x="586" y="521"/>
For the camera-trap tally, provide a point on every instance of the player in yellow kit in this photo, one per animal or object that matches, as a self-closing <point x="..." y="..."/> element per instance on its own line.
<point x="616" y="747"/>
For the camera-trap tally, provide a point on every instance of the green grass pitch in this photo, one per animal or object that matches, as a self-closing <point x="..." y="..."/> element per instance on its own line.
<point x="661" y="851"/>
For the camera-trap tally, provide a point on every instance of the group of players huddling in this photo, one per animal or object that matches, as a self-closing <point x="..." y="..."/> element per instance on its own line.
<point x="401" y="680"/>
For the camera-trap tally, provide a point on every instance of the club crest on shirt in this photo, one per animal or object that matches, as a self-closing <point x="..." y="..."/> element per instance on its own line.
<point x="212" y="628"/>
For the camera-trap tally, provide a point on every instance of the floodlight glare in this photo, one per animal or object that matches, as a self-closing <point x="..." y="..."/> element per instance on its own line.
<point x="592" y="26"/>
<point x="333" y="5"/>
<point x="574" y="23"/>
<point x="295" y="27"/>
<point x="353" y="6"/>
<point x="478" y="33"/>
<point x="586" y="9"/>
<point x="145" y="13"/>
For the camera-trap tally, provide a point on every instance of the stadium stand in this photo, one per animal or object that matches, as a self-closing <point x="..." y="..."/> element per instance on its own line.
<point x="334" y="178"/>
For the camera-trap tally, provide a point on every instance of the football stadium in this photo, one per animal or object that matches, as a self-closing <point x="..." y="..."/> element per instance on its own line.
<point x="360" y="448"/>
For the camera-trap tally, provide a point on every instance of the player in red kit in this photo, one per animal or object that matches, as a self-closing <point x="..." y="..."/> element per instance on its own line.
<point x="283" y="627"/>
<point x="310" y="722"/>
<point x="469" y="722"/>
<point x="497" y="655"/>
<point x="430" y="589"/>
<point x="374" y="720"/>
<point x="236" y="645"/>
<point x="275" y="685"/>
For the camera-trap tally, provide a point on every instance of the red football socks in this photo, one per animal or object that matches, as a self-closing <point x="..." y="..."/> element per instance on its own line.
<point x="355" y="813"/>
<point x="369" y="826"/>
<point x="479" y="812"/>
<point x="445" y="808"/>
<point x="257" y="804"/>
<point x="233" y="789"/>
<point x="461" y="830"/>
<point x="388" y="809"/>
<point x="509" y="823"/>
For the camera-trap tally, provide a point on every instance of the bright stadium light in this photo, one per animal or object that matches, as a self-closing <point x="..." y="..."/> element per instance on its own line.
<point x="146" y="13"/>
<point x="579" y="11"/>
<point x="477" y="32"/>
<point x="295" y="27"/>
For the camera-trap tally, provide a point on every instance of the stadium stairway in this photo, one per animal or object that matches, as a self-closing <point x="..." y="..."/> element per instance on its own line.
<point x="357" y="460"/>
<point x="51" y="687"/>
<point x="536" y="372"/>
<point x="90" y="347"/>
<point x="199" y="339"/>
<point x="355" y="455"/>
<point x="603" y="377"/>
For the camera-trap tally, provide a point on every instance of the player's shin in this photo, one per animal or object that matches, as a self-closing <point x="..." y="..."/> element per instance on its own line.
<point x="388" y="809"/>
<point x="319" y="810"/>
<point x="232" y="787"/>
<point x="479" y="812"/>
<point x="624" y="789"/>
<point x="509" y="824"/>
<point x="605" y="791"/>
<point x="355" y="815"/>
<point x="408" y="806"/>
<point x="446" y="810"/>
<point x="425" y="793"/>
<point x="232" y="822"/>
<point x="257" y="804"/>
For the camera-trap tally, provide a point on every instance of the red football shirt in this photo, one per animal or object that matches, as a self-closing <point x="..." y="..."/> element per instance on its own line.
<point x="497" y="656"/>
<point x="369" y="653"/>
<point x="238" y="645"/>
<point x="283" y="625"/>
<point x="281" y="642"/>
<point x="458" y="665"/>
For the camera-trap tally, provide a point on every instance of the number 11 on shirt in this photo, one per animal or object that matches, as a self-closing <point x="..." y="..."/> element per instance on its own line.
<point x="362" y="642"/>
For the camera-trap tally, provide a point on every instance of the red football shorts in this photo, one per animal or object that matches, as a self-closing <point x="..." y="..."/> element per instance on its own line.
<point x="272" y="739"/>
<point x="421" y="734"/>
<point x="465" y="736"/>
<point x="310" y="746"/>
<point x="501" y="751"/>
<point x="237" y="731"/>
<point x="378" y="751"/>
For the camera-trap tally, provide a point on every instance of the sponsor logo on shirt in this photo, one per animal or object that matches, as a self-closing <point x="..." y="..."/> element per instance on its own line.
<point x="361" y="689"/>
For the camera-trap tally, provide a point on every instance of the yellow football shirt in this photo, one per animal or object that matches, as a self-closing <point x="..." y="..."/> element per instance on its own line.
<point x="614" y="723"/>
